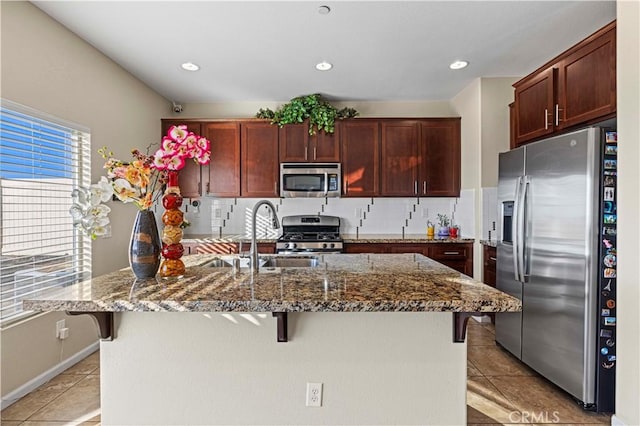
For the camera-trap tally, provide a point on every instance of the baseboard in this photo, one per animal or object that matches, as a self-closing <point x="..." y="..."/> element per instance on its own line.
<point x="43" y="378"/>
<point x="615" y="421"/>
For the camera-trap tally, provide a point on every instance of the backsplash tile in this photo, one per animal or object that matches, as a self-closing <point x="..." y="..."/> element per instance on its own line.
<point x="217" y="216"/>
<point x="489" y="213"/>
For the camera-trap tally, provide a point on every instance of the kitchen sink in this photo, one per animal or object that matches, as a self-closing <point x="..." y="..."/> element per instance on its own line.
<point x="265" y="261"/>
<point x="218" y="263"/>
<point x="290" y="262"/>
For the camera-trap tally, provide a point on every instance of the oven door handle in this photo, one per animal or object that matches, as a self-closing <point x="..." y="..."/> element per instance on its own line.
<point x="326" y="183"/>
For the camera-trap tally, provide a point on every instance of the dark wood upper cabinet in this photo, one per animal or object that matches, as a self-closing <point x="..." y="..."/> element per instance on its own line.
<point x="360" y="142"/>
<point x="325" y="147"/>
<point x="535" y="106"/>
<point x="297" y="146"/>
<point x="294" y="143"/>
<point x="587" y="81"/>
<point x="576" y="88"/>
<point x="420" y="157"/>
<point x="512" y="125"/>
<point x="260" y="165"/>
<point x="224" y="169"/>
<point x="400" y="158"/>
<point x="440" y="157"/>
<point x="190" y="177"/>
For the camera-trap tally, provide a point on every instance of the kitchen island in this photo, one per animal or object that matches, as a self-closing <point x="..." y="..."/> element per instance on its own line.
<point x="375" y="329"/>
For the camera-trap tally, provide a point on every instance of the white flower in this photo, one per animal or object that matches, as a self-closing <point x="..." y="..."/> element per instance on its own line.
<point x="101" y="191"/>
<point x="124" y="191"/>
<point x="100" y="210"/>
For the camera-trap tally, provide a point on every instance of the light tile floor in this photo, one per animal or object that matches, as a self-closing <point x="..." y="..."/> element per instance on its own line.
<point x="500" y="390"/>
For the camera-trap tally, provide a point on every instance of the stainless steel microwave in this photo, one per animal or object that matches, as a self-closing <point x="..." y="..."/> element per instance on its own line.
<point x="310" y="180"/>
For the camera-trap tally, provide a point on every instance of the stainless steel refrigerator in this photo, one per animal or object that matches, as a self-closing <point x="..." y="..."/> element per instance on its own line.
<point x="556" y="252"/>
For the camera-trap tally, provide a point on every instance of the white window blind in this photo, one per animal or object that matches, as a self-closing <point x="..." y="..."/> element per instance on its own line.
<point x="42" y="159"/>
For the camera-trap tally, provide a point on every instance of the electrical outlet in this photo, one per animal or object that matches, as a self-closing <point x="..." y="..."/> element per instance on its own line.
<point x="64" y="333"/>
<point x="314" y="394"/>
<point x="59" y="326"/>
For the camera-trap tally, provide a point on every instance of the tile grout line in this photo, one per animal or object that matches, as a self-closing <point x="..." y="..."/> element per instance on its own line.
<point x="56" y="398"/>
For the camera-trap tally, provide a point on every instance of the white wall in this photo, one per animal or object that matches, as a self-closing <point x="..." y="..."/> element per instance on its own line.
<point x="46" y="67"/>
<point x="365" y="108"/>
<point x="467" y="105"/>
<point x="496" y="95"/>
<point x="628" y="345"/>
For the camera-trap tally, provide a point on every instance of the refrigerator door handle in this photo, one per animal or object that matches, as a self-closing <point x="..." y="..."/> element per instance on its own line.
<point x="524" y="218"/>
<point x="515" y="230"/>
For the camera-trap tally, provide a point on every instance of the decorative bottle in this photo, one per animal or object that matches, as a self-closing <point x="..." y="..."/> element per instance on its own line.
<point x="172" y="250"/>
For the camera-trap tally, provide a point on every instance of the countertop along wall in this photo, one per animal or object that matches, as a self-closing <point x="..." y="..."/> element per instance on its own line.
<point x="47" y="67"/>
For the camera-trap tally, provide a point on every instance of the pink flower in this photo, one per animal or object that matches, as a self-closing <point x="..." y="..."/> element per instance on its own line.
<point x="204" y="158"/>
<point x="178" y="133"/>
<point x="174" y="162"/>
<point x="169" y="144"/>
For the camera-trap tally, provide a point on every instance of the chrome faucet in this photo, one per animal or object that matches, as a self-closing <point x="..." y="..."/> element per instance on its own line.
<point x="254" y="246"/>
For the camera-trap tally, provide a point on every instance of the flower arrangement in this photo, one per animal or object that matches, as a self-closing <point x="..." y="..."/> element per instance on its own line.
<point x="138" y="182"/>
<point x="180" y="145"/>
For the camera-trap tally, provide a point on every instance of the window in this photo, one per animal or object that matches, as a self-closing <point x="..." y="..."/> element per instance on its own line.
<point x="42" y="159"/>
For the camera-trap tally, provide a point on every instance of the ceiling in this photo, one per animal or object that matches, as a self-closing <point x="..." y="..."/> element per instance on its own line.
<point x="267" y="51"/>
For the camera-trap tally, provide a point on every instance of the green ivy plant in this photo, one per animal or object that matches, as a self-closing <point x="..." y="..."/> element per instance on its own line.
<point x="320" y="113"/>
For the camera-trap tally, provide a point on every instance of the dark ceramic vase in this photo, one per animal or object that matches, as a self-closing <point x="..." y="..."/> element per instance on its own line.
<point x="145" y="246"/>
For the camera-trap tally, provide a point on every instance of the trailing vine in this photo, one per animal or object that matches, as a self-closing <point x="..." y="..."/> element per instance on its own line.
<point x="320" y="113"/>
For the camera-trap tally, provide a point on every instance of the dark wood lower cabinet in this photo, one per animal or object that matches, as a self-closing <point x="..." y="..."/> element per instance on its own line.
<point x="489" y="270"/>
<point x="458" y="256"/>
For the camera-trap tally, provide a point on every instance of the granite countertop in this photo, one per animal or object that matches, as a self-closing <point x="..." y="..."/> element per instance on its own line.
<point x="490" y="243"/>
<point x="347" y="238"/>
<point x="341" y="282"/>
<point x="396" y="238"/>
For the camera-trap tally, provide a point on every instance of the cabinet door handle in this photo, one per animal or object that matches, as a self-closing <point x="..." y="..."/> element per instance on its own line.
<point x="306" y="151"/>
<point x="275" y="187"/>
<point x="424" y="187"/>
<point x="546" y="119"/>
<point x="314" y="152"/>
<point x="558" y="111"/>
<point x="346" y="186"/>
<point x="415" y="186"/>
<point x="492" y="258"/>
<point x="208" y="187"/>
<point x="451" y="252"/>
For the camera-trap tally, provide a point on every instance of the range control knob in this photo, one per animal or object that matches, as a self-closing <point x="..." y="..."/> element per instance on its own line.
<point x="324" y="245"/>
<point x="332" y="245"/>
<point x="291" y="245"/>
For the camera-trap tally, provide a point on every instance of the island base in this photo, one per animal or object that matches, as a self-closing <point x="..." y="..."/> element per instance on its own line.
<point x="215" y="368"/>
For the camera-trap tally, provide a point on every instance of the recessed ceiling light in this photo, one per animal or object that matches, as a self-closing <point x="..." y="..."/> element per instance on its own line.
<point x="458" y="65"/>
<point x="323" y="66"/>
<point x="324" y="10"/>
<point x="190" y="66"/>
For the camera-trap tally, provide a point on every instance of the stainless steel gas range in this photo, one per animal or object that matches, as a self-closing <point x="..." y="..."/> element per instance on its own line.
<point x="309" y="234"/>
